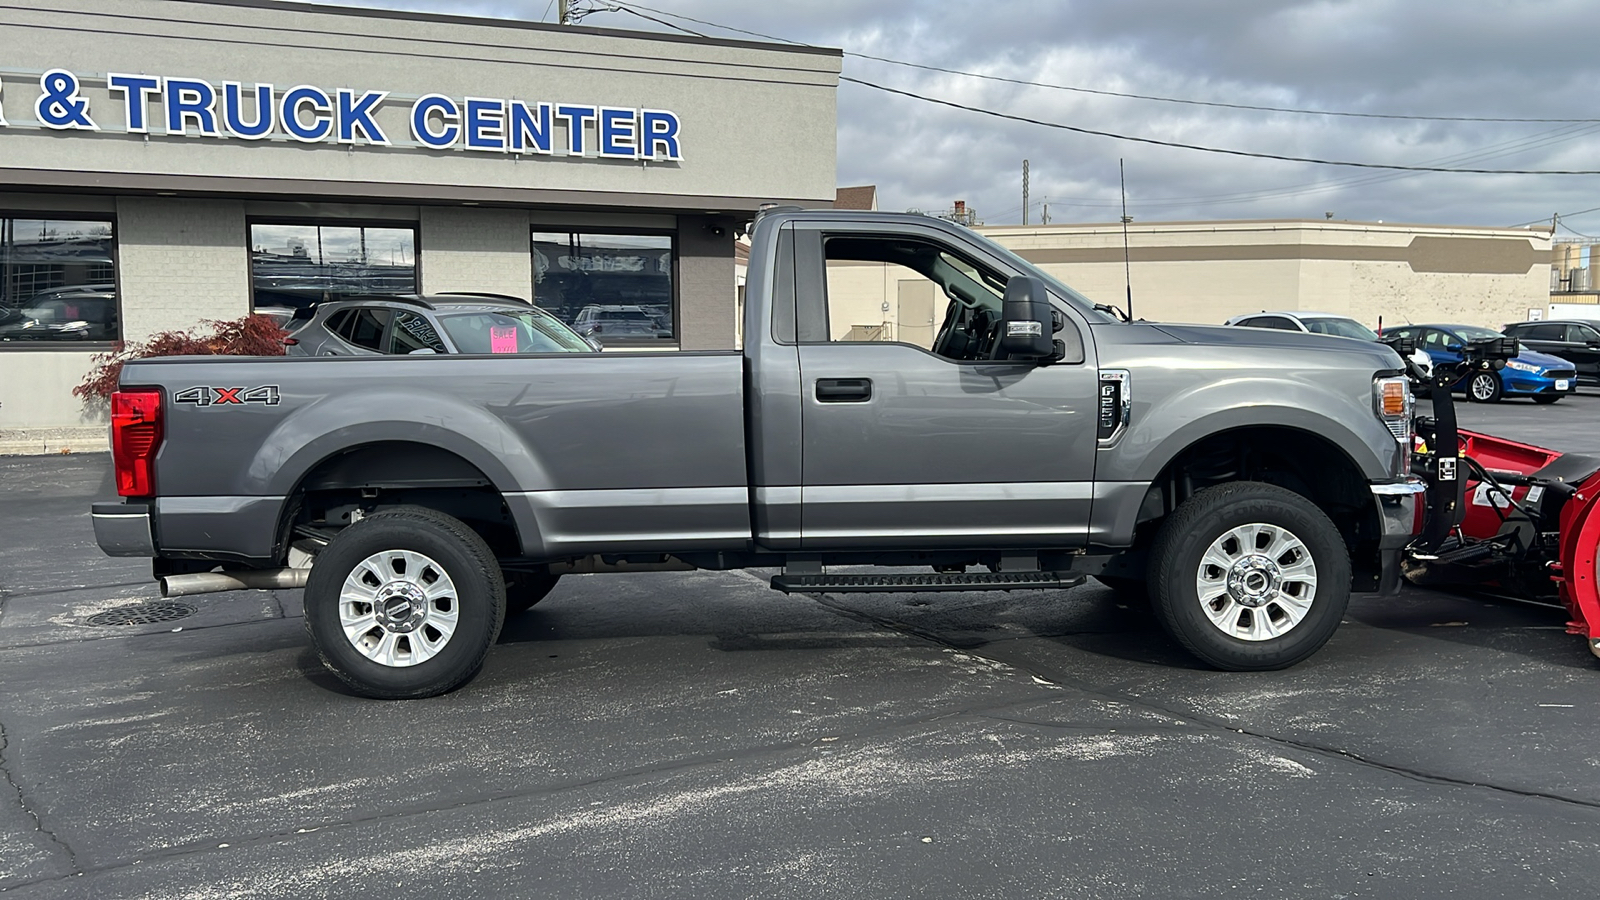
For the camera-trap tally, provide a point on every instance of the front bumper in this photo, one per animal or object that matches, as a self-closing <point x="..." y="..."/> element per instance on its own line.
<point x="1543" y="383"/>
<point x="1402" y="508"/>
<point x="123" y="529"/>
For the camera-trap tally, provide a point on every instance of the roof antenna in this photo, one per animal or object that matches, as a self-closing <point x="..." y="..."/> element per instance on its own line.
<point x="1127" y="266"/>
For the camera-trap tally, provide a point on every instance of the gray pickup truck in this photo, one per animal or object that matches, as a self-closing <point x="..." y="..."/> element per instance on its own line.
<point x="1242" y="481"/>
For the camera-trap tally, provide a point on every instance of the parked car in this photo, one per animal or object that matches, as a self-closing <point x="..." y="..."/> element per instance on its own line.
<point x="610" y="322"/>
<point x="1574" y="340"/>
<point x="67" y="314"/>
<point x="441" y="323"/>
<point x="1312" y="322"/>
<point x="1243" y="480"/>
<point x="1541" y="376"/>
<point x="1329" y="324"/>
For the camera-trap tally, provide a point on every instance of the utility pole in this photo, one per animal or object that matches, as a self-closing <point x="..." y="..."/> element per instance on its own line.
<point x="1024" y="192"/>
<point x="1045" y="219"/>
<point x="562" y="15"/>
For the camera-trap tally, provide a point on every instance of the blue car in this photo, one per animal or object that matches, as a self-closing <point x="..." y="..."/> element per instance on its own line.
<point x="1541" y="376"/>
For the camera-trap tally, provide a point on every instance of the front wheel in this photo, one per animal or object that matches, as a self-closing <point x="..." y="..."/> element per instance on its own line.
<point x="1249" y="576"/>
<point x="405" y="603"/>
<point x="1485" y="387"/>
<point x="1546" y="399"/>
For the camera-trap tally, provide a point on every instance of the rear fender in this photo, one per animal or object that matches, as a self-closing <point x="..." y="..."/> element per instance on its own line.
<point x="339" y="422"/>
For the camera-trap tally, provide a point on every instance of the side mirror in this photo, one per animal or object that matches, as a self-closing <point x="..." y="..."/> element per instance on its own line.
<point x="1026" y="321"/>
<point x="422" y="351"/>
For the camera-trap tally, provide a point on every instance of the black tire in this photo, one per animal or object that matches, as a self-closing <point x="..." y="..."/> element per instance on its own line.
<point x="1485" y="387"/>
<point x="524" y="589"/>
<point x="1547" y="399"/>
<point x="477" y="604"/>
<point x="1207" y="518"/>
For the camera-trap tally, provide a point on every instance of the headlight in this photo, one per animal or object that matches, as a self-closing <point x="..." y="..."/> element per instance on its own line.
<point x="1391" y="400"/>
<point x="1521" y="366"/>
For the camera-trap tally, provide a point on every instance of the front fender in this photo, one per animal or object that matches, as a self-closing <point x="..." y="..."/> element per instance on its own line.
<point x="1164" y="425"/>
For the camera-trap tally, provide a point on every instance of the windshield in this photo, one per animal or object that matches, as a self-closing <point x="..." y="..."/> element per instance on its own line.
<point x="1084" y="305"/>
<point x="511" y="331"/>
<point x="1474" y="333"/>
<point x="1349" y="328"/>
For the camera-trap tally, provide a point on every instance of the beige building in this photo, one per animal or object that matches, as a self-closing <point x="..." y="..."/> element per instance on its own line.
<point x="164" y="162"/>
<point x="1207" y="272"/>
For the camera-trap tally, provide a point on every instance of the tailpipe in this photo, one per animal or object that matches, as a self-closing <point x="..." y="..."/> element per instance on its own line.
<point x="216" y="582"/>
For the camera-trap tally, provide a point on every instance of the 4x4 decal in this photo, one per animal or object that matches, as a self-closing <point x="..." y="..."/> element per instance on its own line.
<point x="220" y="396"/>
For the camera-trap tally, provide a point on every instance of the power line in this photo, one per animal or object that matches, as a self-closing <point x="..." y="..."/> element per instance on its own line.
<point x="1204" y="149"/>
<point x="1100" y="92"/>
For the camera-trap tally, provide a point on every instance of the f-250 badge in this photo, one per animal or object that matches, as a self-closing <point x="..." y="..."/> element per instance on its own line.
<point x="267" y="394"/>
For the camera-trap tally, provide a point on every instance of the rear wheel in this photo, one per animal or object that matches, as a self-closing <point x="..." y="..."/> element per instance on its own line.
<point x="405" y="603"/>
<point x="1546" y="399"/>
<point x="1249" y="576"/>
<point x="1485" y="387"/>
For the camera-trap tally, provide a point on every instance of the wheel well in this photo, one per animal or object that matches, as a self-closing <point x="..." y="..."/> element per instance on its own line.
<point x="1306" y="463"/>
<point x="372" y="477"/>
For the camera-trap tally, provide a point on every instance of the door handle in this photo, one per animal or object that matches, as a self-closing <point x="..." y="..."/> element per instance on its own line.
<point x="844" y="390"/>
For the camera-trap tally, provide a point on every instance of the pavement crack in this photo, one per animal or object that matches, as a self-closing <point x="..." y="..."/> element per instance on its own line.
<point x="1206" y="722"/>
<point x="27" y="808"/>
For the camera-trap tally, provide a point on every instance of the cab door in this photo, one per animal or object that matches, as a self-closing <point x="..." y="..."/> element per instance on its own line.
<point x="922" y="440"/>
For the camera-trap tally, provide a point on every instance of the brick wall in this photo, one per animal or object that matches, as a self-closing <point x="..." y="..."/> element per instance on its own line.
<point x="705" y="283"/>
<point x="180" y="261"/>
<point x="467" y="249"/>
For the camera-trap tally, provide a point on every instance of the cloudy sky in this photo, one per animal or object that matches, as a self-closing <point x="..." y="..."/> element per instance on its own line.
<point x="1493" y="59"/>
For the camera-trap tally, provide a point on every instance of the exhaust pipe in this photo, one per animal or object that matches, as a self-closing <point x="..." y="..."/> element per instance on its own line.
<point x="216" y="582"/>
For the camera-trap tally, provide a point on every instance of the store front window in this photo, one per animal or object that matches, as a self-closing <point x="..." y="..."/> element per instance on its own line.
<point x="296" y="264"/>
<point x="615" y="288"/>
<point x="57" y="281"/>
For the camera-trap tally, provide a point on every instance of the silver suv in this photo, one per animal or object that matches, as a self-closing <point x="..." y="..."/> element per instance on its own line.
<point x="442" y="323"/>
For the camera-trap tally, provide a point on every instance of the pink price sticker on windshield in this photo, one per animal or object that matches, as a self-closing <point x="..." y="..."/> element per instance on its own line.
<point x="502" y="338"/>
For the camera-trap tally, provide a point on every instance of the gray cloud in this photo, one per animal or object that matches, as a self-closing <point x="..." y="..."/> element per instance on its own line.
<point x="1421" y="57"/>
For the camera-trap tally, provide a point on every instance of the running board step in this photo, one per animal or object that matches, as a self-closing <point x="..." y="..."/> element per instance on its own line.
<point x="980" y="581"/>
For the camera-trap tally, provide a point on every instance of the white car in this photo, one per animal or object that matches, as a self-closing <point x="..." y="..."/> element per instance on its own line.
<point x="1322" y="323"/>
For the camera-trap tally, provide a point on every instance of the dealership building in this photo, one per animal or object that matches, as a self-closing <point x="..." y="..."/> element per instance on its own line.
<point x="164" y="162"/>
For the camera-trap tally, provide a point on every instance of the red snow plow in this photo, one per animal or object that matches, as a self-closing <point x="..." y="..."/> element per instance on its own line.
<point x="1511" y="519"/>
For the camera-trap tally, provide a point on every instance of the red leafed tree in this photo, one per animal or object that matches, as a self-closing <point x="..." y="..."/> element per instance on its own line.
<point x="253" y="335"/>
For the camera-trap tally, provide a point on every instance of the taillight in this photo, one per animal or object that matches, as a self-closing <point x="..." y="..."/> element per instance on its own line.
<point x="135" y="438"/>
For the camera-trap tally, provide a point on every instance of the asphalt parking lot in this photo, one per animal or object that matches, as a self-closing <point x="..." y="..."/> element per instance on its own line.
<point x="700" y="735"/>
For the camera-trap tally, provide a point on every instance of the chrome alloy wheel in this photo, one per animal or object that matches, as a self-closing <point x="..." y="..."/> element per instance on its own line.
<point x="1256" y="582"/>
<point x="398" y="608"/>
<point x="1483" y="386"/>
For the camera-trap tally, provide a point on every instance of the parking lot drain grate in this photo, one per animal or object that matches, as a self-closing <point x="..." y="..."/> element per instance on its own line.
<point x="142" y="614"/>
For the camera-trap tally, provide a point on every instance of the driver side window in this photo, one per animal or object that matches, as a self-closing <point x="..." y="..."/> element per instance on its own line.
<point x="907" y="291"/>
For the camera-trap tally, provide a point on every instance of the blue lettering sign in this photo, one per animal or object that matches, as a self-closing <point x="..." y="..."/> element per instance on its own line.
<point x="659" y="135"/>
<point x="356" y="115"/>
<point x="59" y="105"/>
<point x="422" y="116"/>
<point x="136" y="91"/>
<point x="485" y="124"/>
<point x="298" y="98"/>
<point x="575" y="116"/>
<point x="525" y="131"/>
<point x="197" y="107"/>
<point x="619" y="138"/>
<point x="190" y="98"/>
<point x="233" y="111"/>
